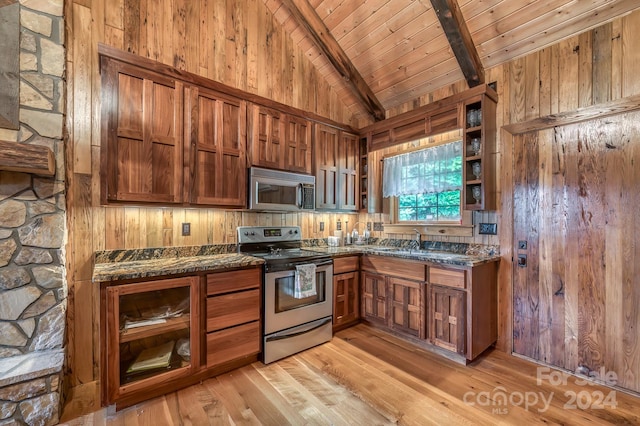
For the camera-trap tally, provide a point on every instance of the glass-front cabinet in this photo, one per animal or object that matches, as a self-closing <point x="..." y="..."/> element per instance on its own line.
<point x="152" y="332"/>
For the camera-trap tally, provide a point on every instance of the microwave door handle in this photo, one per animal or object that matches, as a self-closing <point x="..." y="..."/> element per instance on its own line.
<point x="299" y="203"/>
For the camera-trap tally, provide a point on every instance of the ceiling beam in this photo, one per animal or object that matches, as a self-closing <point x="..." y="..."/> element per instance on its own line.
<point x="306" y="16"/>
<point x="457" y="32"/>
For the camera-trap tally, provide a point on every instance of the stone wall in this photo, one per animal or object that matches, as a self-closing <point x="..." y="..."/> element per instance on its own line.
<point x="33" y="290"/>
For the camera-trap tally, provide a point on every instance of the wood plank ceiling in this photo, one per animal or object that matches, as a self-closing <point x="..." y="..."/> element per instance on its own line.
<point x="399" y="48"/>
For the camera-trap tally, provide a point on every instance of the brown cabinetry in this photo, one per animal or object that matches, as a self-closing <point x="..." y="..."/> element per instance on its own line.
<point x="393" y="294"/>
<point x="218" y="141"/>
<point x="346" y="292"/>
<point x="142" y="135"/>
<point x="161" y="335"/>
<point x="407" y="306"/>
<point x="478" y="167"/>
<point x="278" y="140"/>
<point x="233" y="316"/>
<point x="463" y="308"/>
<point x="336" y="161"/>
<point x="151" y="337"/>
<point x="447" y="318"/>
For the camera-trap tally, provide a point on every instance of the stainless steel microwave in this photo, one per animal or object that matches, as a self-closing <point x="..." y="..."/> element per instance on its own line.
<point x="275" y="190"/>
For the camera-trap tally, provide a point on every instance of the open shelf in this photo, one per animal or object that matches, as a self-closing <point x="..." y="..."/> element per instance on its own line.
<point x="171" y="324"/>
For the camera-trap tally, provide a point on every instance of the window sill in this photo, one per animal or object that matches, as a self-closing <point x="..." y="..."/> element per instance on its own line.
<point x="448" y="230"/>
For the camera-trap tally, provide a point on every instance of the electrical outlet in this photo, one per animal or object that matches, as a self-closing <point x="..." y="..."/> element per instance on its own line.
<point x="338" y="226"/>
<point x="186" y="229"/>
<point x="378" y="226"/>
<point x="368" y="226"/>
<point x="488" y="228"/>
<point x="321" y="226"/>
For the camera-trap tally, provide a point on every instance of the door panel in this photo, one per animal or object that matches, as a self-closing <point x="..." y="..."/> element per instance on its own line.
<point x="576" y="302"/>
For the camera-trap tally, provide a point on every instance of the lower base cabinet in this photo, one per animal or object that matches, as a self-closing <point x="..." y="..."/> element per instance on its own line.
<point x="452" y="308"/>
<point x="447" y="318"/>
<point x="164" y="334"/>
<point x="346" y="292"/>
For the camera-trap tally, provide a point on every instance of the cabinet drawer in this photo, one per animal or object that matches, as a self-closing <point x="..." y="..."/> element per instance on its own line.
<point x="447" y="277"/>
<point x="345" y="264"/>
<point x="225" y="282"/>
<point x="232" y="309"/>
<point x="233" y="343"/>
<point x="393" y="266"/>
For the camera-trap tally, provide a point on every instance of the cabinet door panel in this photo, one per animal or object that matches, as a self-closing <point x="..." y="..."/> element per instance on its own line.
<point x="142" y="149"/>
<point x="218" y="142"/>
<point x="346" y="305"/>
<point x="267" y="144"/>
<point x="447" y="321"/>
<point x="298" y="145"/>
<point x="326" y="167"/>
<point x="348" y="150"/>
<point x="374" y="297"/>
<point x="407" y="306"/>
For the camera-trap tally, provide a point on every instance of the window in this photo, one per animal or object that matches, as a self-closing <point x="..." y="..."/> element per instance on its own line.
<point x="426" y="184"/>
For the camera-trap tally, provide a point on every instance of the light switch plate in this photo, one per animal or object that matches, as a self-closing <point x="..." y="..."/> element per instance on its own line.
<point x="186" y="229"/>
<point x="488" y="228"/>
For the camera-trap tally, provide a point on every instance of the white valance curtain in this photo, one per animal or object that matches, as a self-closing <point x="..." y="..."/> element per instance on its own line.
<point x="429" y="170"/>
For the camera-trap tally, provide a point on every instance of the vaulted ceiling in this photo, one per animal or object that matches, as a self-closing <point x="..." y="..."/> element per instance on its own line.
<point x="378" y="54"/>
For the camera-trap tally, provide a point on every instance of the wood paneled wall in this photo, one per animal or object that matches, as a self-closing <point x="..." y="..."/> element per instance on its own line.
<point x="587" y="69"/>
<point x="238" y="43"/>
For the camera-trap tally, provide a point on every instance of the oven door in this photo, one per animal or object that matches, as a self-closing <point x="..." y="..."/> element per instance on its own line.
<point x="282" y="310"/>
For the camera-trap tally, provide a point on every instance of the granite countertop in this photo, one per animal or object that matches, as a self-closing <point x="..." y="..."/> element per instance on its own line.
<point x="127" y="264"/>
<point x="442" y="257"/>
<point x="162" y="266"/>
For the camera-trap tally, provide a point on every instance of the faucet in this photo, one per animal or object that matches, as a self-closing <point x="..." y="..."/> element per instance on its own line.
<point x="418" y="239"/>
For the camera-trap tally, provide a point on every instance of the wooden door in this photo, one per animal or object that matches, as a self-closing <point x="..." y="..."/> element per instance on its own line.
<point x="348" y="182"/>
<point x="142" y="149"/>
<point x="218" y="143"/>
<point x="346" y="306"/>
<point x="326" y="167"/>
<point x="447" y="320"/>
<point x="374" y="297"/>
<point x="576" y="252"/>
<point x="267" y="141"/>
<point x="297" y="156"/>
<point x="407" y="306"/>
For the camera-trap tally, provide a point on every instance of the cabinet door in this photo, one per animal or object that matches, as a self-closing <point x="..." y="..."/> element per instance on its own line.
<point x="348" y="160"/>
<point x="152" y="335"/>
<point x="218" y="142"/>
<point x="326" y="167"/>
<point x="297" y="155"/>
<point x="407" y="306"/>
<point x="266" y="137"/>
<point x="346" y="306"/>
<point x="374" y="297"/>
<point x="142" y="148"/>
<point x="447" y="318"/>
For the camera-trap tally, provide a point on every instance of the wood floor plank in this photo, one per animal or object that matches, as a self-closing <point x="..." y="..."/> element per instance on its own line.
<point x="366" y="376"/>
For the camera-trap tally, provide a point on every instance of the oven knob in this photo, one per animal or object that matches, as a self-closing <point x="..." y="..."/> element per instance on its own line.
<point x="290" y="231"/>
<point x="246" y="233"/>
<point x="253" y="233"/>
<point x="295" y="232"/>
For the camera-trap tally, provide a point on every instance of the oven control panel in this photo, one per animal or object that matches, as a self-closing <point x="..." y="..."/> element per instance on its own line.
<point x="261" y="234"/>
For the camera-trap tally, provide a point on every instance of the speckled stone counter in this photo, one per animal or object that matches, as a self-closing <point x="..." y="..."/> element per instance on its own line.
<point x="131" y="264"/>
<point x="456" y="254"/>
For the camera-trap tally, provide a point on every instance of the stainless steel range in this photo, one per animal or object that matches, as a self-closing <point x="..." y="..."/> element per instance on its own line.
<point x="298" y="290"/>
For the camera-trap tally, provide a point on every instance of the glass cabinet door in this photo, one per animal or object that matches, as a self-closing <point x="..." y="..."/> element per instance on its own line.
<point x="153" y="333"/>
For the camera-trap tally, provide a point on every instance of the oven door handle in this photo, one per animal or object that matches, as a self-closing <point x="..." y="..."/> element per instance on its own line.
<point x="279" y="336"/>
<point x="299" y="196"/>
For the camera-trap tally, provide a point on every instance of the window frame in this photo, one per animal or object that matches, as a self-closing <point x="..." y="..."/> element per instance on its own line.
<point x="466" y="218"/>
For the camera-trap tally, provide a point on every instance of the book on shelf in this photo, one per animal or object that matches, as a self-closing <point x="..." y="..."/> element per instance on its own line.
<point x="128" y="324"/>
<point x="152" y="358"/>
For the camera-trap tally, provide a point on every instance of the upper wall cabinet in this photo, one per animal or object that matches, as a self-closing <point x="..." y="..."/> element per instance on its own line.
<point x="278" y="140"/>
<point x="336" y="159"/>
<point x="217" y="128"/>
<point x="297" y="156"/>
<point x="266" y="137"/>
<point x="142" y="145"/>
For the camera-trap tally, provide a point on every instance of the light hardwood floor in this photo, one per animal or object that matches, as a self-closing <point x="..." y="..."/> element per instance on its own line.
<point x="367" y="377"/>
